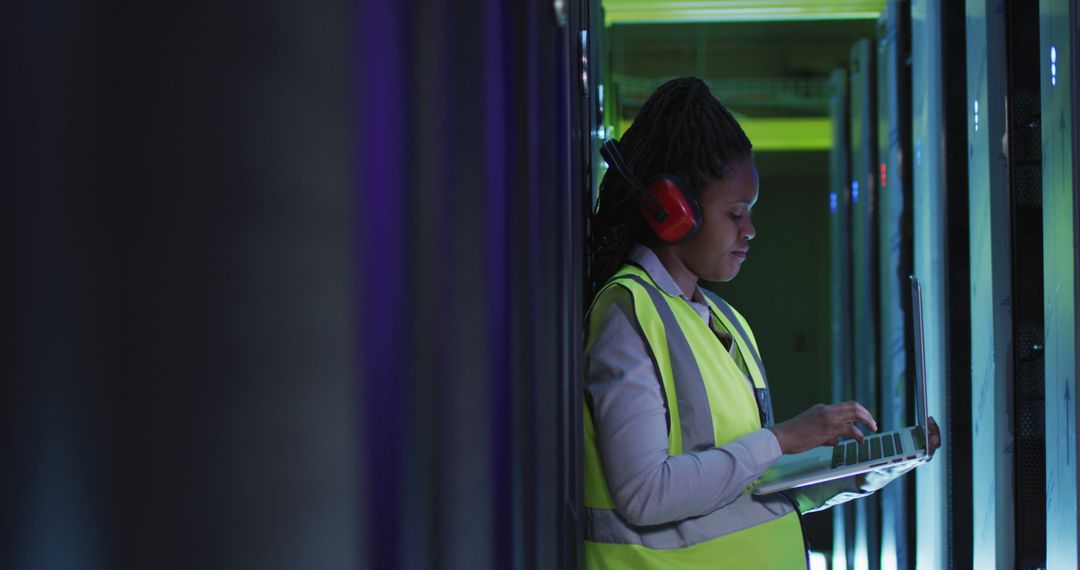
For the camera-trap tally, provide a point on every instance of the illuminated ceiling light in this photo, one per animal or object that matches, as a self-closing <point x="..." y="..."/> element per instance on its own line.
<point x="657" y="11"/>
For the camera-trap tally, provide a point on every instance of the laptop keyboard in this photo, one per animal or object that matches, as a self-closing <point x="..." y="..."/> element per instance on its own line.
<point x="872" y="447"/>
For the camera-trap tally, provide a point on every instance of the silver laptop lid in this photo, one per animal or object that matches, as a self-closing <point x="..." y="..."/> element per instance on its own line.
<point x="920" y="354"/>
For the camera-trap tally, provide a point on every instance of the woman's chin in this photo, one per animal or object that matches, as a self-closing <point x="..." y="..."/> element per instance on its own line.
<point x="723" y="276"/>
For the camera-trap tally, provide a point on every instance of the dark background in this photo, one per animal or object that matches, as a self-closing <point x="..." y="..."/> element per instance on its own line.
<point x="180" y="383"/>
<point x="291" y="286"/>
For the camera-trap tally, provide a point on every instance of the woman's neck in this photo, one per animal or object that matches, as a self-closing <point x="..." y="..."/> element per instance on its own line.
<point x="686" y="279"/>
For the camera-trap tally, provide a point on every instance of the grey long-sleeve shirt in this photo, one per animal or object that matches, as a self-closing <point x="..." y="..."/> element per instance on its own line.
<point x="624" y="390"/>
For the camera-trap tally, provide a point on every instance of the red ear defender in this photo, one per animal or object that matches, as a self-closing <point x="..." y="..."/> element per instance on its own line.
<point x="669" y="208"/>
<point x="683" y="219"/>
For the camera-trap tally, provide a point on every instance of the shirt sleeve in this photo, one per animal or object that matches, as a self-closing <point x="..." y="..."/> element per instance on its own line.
<point x="624" y="392"/>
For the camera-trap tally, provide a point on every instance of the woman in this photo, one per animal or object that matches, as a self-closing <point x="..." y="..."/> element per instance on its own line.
<point x="677" y="424"/>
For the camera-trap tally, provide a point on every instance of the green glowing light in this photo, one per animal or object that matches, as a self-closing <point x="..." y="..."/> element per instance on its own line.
<point x="658" y="11"/>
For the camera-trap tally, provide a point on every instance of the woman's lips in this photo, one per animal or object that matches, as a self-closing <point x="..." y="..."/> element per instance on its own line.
<point x="740" y="254"/>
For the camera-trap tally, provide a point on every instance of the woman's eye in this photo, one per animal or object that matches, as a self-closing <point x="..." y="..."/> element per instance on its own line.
<point x="735" y="216"/>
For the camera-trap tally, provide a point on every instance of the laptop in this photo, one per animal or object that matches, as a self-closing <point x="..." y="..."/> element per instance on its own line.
<point x="877" y="451"/>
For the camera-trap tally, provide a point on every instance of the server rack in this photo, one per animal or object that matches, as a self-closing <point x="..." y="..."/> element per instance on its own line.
<point x="895" y="264"/>
<point x="1058" y="69"/>
<point x="1024" y="159"/>
<point x="940" y="120"/>
<point x="863" y="128"/>
<point x="956" y="277"/>
<point x="840" y="301"/>
<point x="990" y="288"/>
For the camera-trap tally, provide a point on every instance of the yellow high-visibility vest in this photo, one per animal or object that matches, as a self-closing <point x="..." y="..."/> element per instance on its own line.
<point x="694" y="367"/>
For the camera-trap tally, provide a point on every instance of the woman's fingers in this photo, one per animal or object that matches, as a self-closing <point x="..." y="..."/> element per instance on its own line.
<point x="840" y="420"/>
<point x="823" y="425"/>
<point x="855" y="433"/>
<point x="860" y="414"/>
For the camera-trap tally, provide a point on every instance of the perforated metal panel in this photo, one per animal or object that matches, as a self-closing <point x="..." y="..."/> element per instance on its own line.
<point x="1025" y="184"/>
<point x="957" y="288"/>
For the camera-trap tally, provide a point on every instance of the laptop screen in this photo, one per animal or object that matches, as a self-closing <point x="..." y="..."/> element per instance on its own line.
<point x="920" y="354"/>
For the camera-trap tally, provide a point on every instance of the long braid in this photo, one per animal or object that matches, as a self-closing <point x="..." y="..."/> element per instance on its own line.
<point x="681" y="130"/>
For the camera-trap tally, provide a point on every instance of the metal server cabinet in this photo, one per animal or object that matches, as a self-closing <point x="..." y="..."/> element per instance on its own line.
<point x="1058" y="69"/>
<point x="1024" y="157"/>
<point x="585" y="105"/>
<point x="864" y="271"/>
<point x="990" y="286"/>
<point x="942" y="488"/>
<point x="840" y="278"/>
<point x="894" y="257"/>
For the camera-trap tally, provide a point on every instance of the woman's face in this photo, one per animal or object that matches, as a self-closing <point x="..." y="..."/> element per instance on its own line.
<point x="718" y="251"/>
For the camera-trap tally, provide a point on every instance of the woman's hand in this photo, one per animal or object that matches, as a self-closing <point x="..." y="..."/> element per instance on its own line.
<point x="823" y="425"/>
<point x="874" y="480"/>
<point x="933" y="439"/>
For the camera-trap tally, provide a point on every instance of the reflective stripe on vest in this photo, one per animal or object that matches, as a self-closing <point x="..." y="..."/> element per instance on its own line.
<point x="695" y="418"/>
<point x="751" y="529"/>
<point x="606" y="525"/>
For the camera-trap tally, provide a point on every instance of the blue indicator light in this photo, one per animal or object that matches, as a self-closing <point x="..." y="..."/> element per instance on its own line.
<point x="855" y="191"/>
<point x="832" y="201"/>
<point x="1053" y="66"/>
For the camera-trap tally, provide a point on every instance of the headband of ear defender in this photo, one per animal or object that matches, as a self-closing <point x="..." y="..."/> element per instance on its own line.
<point x="669" y="208"/>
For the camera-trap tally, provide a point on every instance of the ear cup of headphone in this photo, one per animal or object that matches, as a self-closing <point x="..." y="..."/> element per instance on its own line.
<point x="684" y="217"/>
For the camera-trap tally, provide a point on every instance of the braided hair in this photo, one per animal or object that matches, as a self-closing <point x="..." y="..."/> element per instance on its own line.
<point x="681" y="130"/>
